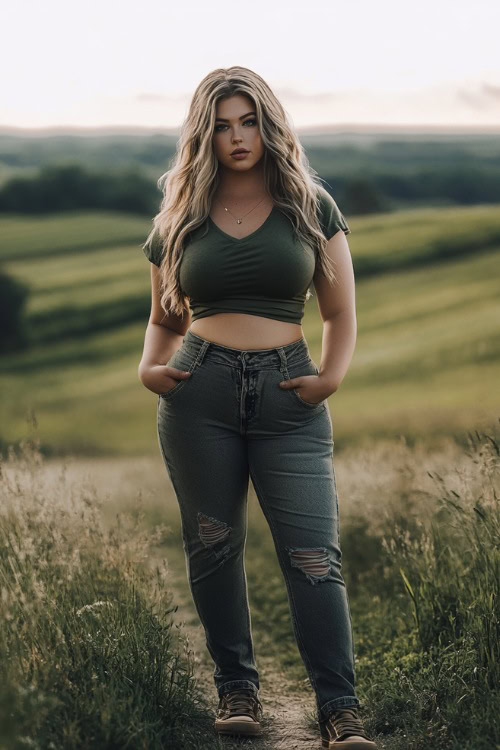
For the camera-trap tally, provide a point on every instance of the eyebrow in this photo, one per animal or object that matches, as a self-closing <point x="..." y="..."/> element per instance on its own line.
<point x="240" y="118"/>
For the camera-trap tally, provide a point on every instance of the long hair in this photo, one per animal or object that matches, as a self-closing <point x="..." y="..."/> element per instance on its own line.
<point x="189" y="185"/>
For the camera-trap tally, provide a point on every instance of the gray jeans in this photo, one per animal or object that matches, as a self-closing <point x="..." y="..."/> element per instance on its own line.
<point x="230" y="421"/>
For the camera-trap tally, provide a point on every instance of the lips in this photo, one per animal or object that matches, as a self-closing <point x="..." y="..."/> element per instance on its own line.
<point x="239" y="151"/>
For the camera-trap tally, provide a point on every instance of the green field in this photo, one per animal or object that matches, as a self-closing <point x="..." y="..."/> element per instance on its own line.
<point x="91" y="544"/>
<point x="93" y="570"/>
<point x="426" y="364"/>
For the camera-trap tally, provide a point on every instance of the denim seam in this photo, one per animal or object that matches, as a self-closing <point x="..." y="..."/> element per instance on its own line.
<point x="260" y="367"/>
<point x="292" y="599"/>
<point x="245" y="583"/>
<point x="287" y="350"/>
<point x="227" y="687"/>
<point x="181" y="383"/>
<point x="345" y="700"/>
<point x="292" y="391"/>
<point x="338" y="542"/>
<point x="196" y="361"/>
<point x="188" y="557"/>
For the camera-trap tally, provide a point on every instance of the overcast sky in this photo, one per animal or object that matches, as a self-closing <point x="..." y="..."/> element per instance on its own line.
<point x="137" y="62"/>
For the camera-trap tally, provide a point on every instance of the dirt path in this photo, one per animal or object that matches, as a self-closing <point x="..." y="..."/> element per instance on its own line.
<point x="287" y="714"/>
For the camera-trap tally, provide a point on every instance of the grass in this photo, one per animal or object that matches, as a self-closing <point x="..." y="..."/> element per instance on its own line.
<point x="89" y="656"/>
<point x="414" y="237"/>
<point x="29" y="237"/>
<point x="426" y="358"/>
<point x="88" y="653"/>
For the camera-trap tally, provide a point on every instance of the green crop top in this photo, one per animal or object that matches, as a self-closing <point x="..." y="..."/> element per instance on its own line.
<point x="266" y="273"/>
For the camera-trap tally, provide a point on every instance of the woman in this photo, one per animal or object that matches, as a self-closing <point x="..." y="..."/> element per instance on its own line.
<point x="237" y="242"/>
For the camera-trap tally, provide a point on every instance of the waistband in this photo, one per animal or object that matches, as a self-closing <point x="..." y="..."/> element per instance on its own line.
<point x="264" y="359"/>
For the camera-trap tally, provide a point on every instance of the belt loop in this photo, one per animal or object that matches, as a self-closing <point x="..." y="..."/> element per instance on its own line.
<point x="283" y="363"/>
<point x="201" y="353"/>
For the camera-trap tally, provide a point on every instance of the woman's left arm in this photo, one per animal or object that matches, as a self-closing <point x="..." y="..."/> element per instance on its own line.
<point x="338" y="311"/>
<point x="337" y="305"/>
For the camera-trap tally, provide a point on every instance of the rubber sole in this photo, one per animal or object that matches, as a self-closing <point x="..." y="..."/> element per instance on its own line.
<point x="238" y="726"/>
<point x="349" y="745"/>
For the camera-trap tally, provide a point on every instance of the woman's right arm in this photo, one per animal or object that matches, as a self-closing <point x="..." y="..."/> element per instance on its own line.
<point x="164" y="334"/>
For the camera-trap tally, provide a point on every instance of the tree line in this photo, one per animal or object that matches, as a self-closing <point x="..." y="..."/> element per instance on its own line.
<point x="72" y="187"/>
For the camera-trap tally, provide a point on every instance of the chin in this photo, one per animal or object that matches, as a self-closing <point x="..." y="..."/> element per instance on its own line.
<point x="240" y="166"/>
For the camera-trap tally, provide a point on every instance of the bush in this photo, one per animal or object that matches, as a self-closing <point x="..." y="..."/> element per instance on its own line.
<point x="13" y="296"/>
<point x="89" y="654"/>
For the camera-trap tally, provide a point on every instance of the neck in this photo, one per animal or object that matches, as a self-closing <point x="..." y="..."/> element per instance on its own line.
<point x="241" y="185"/>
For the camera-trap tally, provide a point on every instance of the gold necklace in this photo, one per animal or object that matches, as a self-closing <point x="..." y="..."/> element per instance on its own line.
<point x="238" y="221"/>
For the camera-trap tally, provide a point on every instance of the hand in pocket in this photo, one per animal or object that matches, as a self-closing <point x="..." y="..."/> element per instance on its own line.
<point x="162" y="378"/>
<point x="310" y="388"/>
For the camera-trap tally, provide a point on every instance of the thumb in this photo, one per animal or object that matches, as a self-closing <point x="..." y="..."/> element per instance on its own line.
<point x="181" y="373"/>
<point x="290" y="383"/>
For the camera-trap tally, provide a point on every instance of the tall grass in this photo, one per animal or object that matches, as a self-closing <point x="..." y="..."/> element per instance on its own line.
<point x="425" y="607"/>
<point x="420" y="537"/>
<point x="89" y="655"/>
<point x="451" y="568"/>
<point x="448" y="655"/>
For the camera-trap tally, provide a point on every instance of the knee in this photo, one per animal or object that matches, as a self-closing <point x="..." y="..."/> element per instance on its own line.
<point x="215" y="535"/>
<point x="317" y="563"/>
<point x="216" y="543"/>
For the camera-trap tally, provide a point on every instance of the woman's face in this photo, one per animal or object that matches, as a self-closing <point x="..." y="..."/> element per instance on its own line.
<point x="236" y="127"/>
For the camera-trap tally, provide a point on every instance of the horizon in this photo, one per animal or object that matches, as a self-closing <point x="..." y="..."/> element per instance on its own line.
<point x="321" y="129"/>
<point x="331" y="64"/>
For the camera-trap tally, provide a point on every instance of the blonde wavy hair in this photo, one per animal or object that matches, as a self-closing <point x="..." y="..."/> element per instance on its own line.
<point x="189" y="185"/>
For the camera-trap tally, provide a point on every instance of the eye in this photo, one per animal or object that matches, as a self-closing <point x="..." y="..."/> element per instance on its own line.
<point x="252" y="120"/>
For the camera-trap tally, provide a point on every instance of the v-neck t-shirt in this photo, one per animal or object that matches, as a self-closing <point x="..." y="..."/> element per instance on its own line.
<point x="265" y="273"/>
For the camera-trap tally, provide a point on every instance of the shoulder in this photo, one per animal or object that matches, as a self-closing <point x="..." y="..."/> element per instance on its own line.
<point x="330" y="216"/>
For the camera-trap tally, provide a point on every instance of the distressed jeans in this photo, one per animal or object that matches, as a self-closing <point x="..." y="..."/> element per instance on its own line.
<point x="231" y="421"/>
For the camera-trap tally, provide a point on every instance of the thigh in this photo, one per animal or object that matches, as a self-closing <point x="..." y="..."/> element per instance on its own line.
<point x="204" y="453"/>
<point x="291" y="464"/>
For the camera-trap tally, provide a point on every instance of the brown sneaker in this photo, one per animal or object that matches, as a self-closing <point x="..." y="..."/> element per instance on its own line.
<point x="239" y="712"/>
<point x="343" y="730"/>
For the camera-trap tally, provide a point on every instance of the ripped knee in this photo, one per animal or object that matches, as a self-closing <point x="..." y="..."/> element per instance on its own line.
<point x="212" y="533"/>
<point x="312" y="561"/>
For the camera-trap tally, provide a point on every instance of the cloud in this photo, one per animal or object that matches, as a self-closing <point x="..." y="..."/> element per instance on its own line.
<point x="483" y="97"/>
<point x="472" y="100"/>
<point x="491" y="90"/>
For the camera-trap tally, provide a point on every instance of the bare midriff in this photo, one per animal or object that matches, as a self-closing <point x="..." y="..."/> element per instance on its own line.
<point x="242" y="331"/>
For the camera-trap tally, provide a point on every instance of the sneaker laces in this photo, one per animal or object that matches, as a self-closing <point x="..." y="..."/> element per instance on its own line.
<point x="346" y="722"/>
<point x="242" y="702"/>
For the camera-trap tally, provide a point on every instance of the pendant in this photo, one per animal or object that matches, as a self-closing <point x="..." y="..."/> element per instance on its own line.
<point x="238" y="221"/>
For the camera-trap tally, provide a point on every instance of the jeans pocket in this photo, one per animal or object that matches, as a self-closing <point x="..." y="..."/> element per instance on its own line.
<point x="296" y="370"/>
<point x="182" y="361"/>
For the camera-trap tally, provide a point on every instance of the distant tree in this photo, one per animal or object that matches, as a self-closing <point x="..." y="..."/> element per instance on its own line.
<point x="13" y="296"/>
<point x="361" y="195"/>
<point x="70" y="187"/>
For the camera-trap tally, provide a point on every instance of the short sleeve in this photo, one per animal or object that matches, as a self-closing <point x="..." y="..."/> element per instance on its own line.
<point x="153" y="250"/>
<point x="330" y="217"/>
